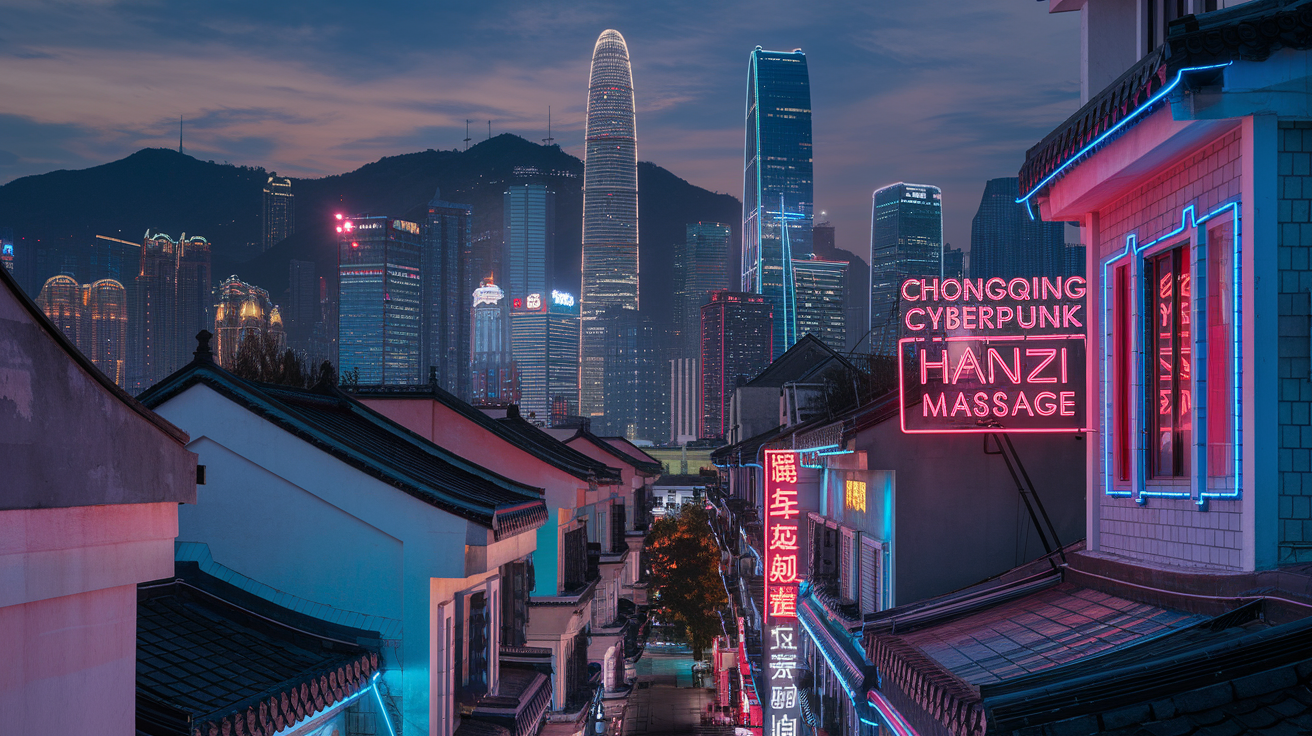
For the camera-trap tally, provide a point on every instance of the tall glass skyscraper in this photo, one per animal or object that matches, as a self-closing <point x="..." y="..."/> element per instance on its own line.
<point x="492" y="375"/>
<point x="701" y="268"/>
<point x="446" y="296"/>
<point x="530" y="234"/>
<point x="279" y="210"/>
<point x="1006" y="243"/>
<point x="172" y="300"/>
<point x="610" y="209"/>
<point x="906" y="239"/>
<point x="777" y="183"/>
<point x="820" y="289"/>
<point x="736" y="334"/>
<point x="378" y="329"/>
<point x="544" y="341"/>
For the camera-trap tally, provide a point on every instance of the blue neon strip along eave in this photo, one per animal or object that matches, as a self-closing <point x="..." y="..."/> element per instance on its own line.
<point x="1188" y="220"/>
<point x="1024" y="199"/>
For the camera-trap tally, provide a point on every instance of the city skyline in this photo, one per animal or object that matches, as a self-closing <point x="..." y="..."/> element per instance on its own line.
<point x="317" y="114"/>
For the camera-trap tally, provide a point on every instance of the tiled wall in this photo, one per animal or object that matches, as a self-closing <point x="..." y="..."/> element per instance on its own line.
<point x="1295" y="240"/>
<point x="1174" y="531"/>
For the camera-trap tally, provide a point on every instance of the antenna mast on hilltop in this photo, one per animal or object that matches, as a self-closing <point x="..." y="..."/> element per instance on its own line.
<point x="489" y="130"/>
<point x="179" y="134"/>
<point x="467" y="138"/>
<point x="548" y="140"/>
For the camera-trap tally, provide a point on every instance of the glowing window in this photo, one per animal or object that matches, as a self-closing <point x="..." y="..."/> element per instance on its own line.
<point x="854" y="495"/>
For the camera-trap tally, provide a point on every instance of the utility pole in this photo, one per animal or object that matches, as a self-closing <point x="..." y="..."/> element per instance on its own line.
<point x="467" y="138"/>
<point x="548" y="140"/>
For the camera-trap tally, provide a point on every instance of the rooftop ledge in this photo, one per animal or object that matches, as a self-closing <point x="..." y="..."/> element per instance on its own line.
<point x="582" y="596"/>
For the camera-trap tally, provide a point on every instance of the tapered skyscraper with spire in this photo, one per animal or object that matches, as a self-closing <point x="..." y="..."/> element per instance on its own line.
<point x="610" y="209"/>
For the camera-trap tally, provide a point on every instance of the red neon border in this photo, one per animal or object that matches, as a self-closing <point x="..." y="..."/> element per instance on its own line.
<point x="902" y="399"/>
<point x="769" y="485"/>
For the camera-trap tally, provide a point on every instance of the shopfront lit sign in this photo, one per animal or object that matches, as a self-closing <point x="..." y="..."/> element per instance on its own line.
<point x="782" y="537"/>
<point x="993" y="355"/>
<point x="534" y="301"/>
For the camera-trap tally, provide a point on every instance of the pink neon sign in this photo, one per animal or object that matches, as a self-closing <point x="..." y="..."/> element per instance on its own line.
<point x="992" y="355"/>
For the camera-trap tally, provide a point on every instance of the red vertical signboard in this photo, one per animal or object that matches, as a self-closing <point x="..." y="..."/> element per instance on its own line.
<point x="782" y="536"/>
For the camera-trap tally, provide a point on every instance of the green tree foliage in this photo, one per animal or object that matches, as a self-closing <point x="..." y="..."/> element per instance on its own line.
<point x="685" y="574"/>
<point x="260" y="359"/>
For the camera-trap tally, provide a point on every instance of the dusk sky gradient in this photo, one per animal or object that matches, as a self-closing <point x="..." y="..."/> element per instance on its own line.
<point x="932" y="91"/>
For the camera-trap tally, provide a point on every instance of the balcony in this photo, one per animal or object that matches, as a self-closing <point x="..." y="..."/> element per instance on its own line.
<point x="522" y="699"/>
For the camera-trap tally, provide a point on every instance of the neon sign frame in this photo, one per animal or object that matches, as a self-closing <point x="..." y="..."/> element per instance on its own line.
<point x="1139" y="489"/>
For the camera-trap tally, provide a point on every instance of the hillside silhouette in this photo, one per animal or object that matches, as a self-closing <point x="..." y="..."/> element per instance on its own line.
<point x="58" y="213"/>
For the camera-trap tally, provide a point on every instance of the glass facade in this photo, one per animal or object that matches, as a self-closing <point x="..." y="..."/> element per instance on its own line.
<point x="610" y="208"/>
<point x="171" y="301"/>
<point x="445" y="275"/>
<point x="1006" y="243"/>
<point x="544" y="342"/>
<point x="635" y="374"/>
<point x="492" y="374"/>
<point x="279" y="210"/>
<point x="736" y="333"/>
<point x="701" y="268"/>
<point x="530" y="235"/>
<point x="379" y="269"/>
<point x="820" y="286"/>
<point x="906" y="239"/>
<point x="777" y="183"/>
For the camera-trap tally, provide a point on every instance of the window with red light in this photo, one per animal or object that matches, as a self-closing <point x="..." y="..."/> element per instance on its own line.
<point x="1124" y="357"/>
<point x="1220" y="355"/>
<point x="1168" y="359"/>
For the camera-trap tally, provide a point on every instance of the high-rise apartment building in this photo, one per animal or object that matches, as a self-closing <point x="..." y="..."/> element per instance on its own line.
<point x="635" y="403"/>
<point x="701" y="268"/>
<point x="906" y="240"/>
<point x="685" y="399"/>
<point x="379" y="265"/>
<point x="170" y="304"/>
<point x="820" y="287"/>
<point x="493" y="372"/>
<point x="243" y="311"/>
<point x="1005" y="242"/>
<point x="7" y="248"/>
<point x="544" y="342"/>
<point x="529" y="231"/>
<point x="446" y="278"/>
<point x="777" y="183"/>
<point x="856" y="297"/>
<point x="610" y="209"/>
<point x="92" y="316"/>
<point x="279" y="210"/>
<point x="737" y="330"/>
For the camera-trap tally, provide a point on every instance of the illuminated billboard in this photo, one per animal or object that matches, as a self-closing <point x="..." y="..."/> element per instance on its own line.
<point x="992" y="355"/>
<point x="782" y="537"/>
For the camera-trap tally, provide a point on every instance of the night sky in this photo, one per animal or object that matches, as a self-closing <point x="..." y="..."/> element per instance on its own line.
<point x="945" y="92"/>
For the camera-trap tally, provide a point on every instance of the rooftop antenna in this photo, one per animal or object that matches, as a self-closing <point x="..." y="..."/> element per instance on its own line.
<point x="179" y="134"/>
<point x="467" y="138"/>
<point x="489" y="130"/>
<point x="548" y="140"/>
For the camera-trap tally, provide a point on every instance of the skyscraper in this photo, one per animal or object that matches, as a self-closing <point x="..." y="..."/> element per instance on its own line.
<point x="279" y="210"/>
<point x="544" y="342"/>
<point x="1006" y="243"/>
<point x="447" y="274"/>
<point x="94" y="317"/>
<point x="379" y="323"/>
<point x="856" y="297"/>
<point x="243" y="311"/>
<point x="777" y="183"/>
<point x="635" y="404"/>
<point x="610" y="209"/>
<point x="302" y="305"/>
<point x="685" y="400"/>
<point x="906" y="240"/>
<point x="7" y="248"/>
<point x="492" y="374"/>
<point x="737" y="331"/>
<point x="171" y="302"/>
<point x="530" y="235"/>
<point x="954" y="262"/>
<point x="701" y="267"/>
<point x="820" y="286"/>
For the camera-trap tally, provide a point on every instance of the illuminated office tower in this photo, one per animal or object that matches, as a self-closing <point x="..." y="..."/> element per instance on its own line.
<point x="302" y="304"/>
<point x="171" y="302"/>
<point x="610" y="209"/>
<point x="701" y="268"/>
<point x="737" y="331"/>
<point x="492" y="373"/>
<point x="530" y="237"/>
<point x="777" y="186"/>
<point x="243" y="311"/>
<point x="279" y="210"/>
<point x="94" y="317"/>
<point x="820" y="287"/>
<point x="635" y="403"/>
<point x="544" y="343"/>
<point x="1005" y="242"/>
<point x="378" y="327"/>
<point x="447" y="276"/>
<point x="906" y="240"/>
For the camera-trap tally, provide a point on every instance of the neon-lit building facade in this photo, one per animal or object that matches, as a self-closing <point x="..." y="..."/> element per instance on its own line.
<point x="544" y="342"/>
<point x="820" y="287"/>
<point x="737" y="334"/>
<point x="172" y="300"/>
<point x="446" y="271"/>
<point x="610" y="208"/>
<point x="492" y="372"/>
<point x="279" y="220"/>
<point x="243" y="311"/>
<point x="94" y="317"/>
<point x="530" y="236"/>
<point x="379" y="262"/>
<point x="906" y="240"/>
<point x="777" y="183"/>
<point x="7" y="248"/>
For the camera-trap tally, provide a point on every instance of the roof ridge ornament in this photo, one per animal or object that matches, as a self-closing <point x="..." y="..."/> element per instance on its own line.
<point x="203" y="352"/>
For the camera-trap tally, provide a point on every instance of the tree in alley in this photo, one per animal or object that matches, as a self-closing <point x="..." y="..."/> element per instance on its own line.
<point x="685" y="574"/>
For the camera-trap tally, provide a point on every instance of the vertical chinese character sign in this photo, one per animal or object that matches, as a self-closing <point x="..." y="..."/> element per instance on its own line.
<point x="782" y="522"/>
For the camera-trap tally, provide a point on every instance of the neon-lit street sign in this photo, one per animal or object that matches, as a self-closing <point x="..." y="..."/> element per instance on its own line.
<point x="992" y="355"/>
<point x="782" y="546"/>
